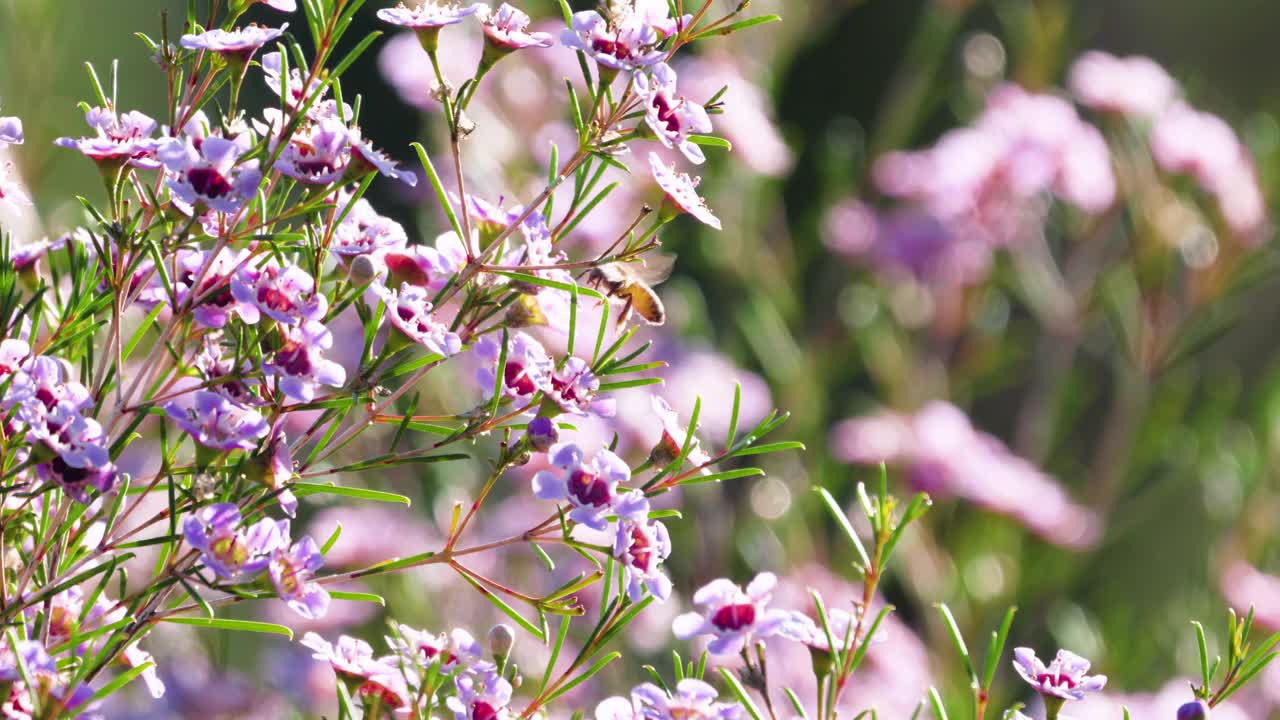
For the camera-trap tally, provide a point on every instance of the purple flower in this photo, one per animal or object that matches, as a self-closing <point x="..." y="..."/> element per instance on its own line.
<point x="482" y="695"/>
<point x="1194" y="710"/>
<point x="692" y="700"/>
<point x="943" y="454"/>
<point x="118" y="139"/>
<point x="292" y="570"/>
<point x="657" y="14"/>
<point x="300" y="364"/>
<point x="428" y="19"/>
<point x="1063" y="678"/>
<point x="296" y="92"/>
<point x="75" y="481"/>
<point x="427" y="267"/>
<point x="366" y="159"/>
<point x="364" y="231"/>
<point x="233" y="553"/>
<point x="574" y="388"/>
<point x="528" y="368"/>
<point x="681" y="191"/>
<point x="284" y="294"/>
<point x="410" y="312"/>
<point x="590" y="487"/>
<point x="430" y="14"/>
<point x="214" y="302"/>
<point x="737" y="618"/>
<point x="672" y="117"/>
<point x="350" y="657"/>
<point x="1129" y="86"/>
<point x="279" y="471"/>
<point x="542" y="433"/>
<point x="641" y="546"/>
<point x="988" y="180"/>
<point x="216" y="422"/>
<point x="239" y="44"/>
<point x="454" y="650"/>
<point x="318" y="154"/>
<point x="211" y="177"/>
<point x="628" y="44"/>
<point x="507" y="30"/>
<point x="10" y="131"/>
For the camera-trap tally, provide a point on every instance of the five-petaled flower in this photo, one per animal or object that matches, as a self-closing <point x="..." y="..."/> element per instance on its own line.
<point x="737" y="618"/>
<point x="232" y="552"/>
<point x="428" y="18"/>
<point x="693" y="699"/>
<point x="300" y="364"/>
<point x="292" y="570"/>
<point x="641" y="546"/>
<point x="681" y="193"/>
<point x="118" y="139"/>
<point x="1063" y="678"/>
<point x="410" y="312"/>
<point x="507" y="30"/>
<point x="215" y="422"/>
<point x="212" y="177"/>
<point x="672" y="117"/>
<point x="629" y="43"/>
<point x="591" y="487"/>
<point x="238" y="45"/>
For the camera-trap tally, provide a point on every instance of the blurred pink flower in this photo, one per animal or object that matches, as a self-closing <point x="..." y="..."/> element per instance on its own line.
<point x="1133" y="85"/>
<point x="943" y="454"/>
<point x="989" y="178"/>
<point x="1186" y="141"/>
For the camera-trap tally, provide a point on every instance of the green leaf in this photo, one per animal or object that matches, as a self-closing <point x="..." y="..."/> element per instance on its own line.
<point x="303" y="489"/>
<point x="358" y="597"/>
<point x="843" y="521"/>
<point x="441" y="195"/>
<point x="939" y="710"/>
<point x="957" y="639"/>
<point x="996" y="648"/>
<point x="120" y="681"/>
<point x="740" y="25"/>
<point x="741" y="693"/>
<point x="505" y="608"/>
<point x="711" y="141"/>
<point x="229" y="624"/>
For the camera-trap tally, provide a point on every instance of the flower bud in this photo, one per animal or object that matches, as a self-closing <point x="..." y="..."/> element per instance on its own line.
<point x="1194" y="710"/>
<point x="363" y="271"/>
<point x="542" y="434"/>
<point x="501" y="639"/>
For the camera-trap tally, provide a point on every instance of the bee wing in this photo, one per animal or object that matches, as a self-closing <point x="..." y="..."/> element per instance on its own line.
<point x="646" y="303"/>
<point x="656" y="268"/>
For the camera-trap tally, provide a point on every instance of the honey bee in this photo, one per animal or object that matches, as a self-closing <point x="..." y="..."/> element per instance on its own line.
<point x="632" y="282"/>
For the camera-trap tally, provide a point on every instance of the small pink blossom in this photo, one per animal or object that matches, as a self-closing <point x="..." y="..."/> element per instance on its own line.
<point x="682" y="191"/>
<point x="508" y="29"/>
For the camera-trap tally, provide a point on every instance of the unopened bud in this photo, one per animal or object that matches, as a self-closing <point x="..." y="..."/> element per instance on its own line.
<point x="1194" y="710"/>
<point x="501" y="639"/>
<point x="363" y="271"/>
<point x="542" y="434"/>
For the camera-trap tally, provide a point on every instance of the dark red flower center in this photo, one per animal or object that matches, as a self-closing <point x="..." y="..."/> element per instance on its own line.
<point x="482" y="710"/>
<point x="589" y="489"/>
<point x="734" y="617"/>
<point x="517" y="378"/>
<point x="1055" y="680"/>
<point x="208" y="182"/>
